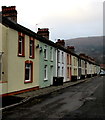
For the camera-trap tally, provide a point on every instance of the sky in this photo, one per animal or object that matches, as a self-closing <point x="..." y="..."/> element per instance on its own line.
<point x="65" y="19"/>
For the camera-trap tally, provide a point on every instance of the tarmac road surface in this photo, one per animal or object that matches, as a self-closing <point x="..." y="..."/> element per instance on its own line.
<point x="85" y="100"/>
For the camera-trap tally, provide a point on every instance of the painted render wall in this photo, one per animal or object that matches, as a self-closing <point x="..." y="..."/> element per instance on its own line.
<point x="61" y="63"/>
<point x="68" y="67"/>
<point x="4" y="63"/>
<point x="74" y="66"/>
<point x="14" y="66"/>
<point x="50" y="63"/>
<point x="83" y="67"/>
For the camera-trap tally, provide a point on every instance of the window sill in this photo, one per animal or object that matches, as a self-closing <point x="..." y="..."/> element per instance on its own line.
<point x="3" y="81"/>
<point x="21" y="55"/>
<point x="31" y="57"/>
<point x="27" y="82"/>
<point x="45" y="59"/>
<point x="45" y="79"/>
<point x="51" y="60"/>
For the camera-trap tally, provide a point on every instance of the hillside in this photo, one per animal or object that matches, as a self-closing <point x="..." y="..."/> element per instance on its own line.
<point x="92" y="46"/>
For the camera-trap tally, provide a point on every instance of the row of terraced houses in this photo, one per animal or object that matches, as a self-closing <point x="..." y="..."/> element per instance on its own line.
<point x="29" y="60"/>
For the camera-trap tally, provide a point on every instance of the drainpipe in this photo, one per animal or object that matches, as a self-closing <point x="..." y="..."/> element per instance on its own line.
<point x="57" y="61"/>
<point x="1" y="53"/>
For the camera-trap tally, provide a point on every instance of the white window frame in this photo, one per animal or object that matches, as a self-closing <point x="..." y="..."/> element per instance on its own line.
<point x="62" y="57"/>
<point x="21" y="44"/>
<point x="31" y="48"/>
<point x="30" y="71"/>
<point x="51" y="54"/>
<point x="58" y="55"/>
<point x="45" y="52"/>
<point x="45" y="72"/>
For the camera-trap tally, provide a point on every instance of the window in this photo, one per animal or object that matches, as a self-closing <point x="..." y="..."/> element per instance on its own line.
<point x="51" y="54"/>
<point x="67" y="58"/>
<point x="62" y="71"/>
<point x="70" y="60"/>
<point x="58" y="71"/>
<point x="58" y="56"/>
<point x="31" y="48"/>
<point x="45" y="72"/>
<point x="21" y="45"/>
<point x="51" y="71"/>
<point x="45" y="52"/>
<point x="28" y="71"/>
<point x="67" y="72"/>
<point x="62" y="57"/>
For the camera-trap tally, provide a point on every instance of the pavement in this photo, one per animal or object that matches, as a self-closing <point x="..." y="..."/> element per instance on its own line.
<point x="27" y="96"/>
<point x="49" y="90"/>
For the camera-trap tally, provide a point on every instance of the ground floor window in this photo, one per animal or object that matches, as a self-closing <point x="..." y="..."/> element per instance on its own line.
<point x="62" y="71"/>
<point x="58" y="71"/>
<point x="67" y="72"/>
<point x="28" y="71"/>
<point x="45" y="72"/>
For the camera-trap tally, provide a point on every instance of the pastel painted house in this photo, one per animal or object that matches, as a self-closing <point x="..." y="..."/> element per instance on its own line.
<point x="74" y="75"/>
<point x="47" y="59"/>
<point x="20" y="58"/>
<point x="61" y="60"/>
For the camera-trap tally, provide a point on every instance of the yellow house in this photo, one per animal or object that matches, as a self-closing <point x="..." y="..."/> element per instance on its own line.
<point x="74" y="60"/>
<point x="19" y="59"/>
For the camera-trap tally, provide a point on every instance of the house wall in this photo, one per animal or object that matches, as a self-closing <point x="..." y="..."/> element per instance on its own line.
<point x="83" y="67"/>
<point x="69" y="67"/>
<point x="74" y="67"/>
<point x="97" y="69"/>
<point x="14" y="66"/>
<point x="3" y="88"/>
<point x="88" y="68"/>
<point x="50" y="63"/>
<point x="79" y="68"/>
<point x="0" y="37"/>
<point x="61" y="63"/>
<point x="3" y="59"/>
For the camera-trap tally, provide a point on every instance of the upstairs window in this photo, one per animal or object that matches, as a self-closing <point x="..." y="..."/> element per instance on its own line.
<point x="67" y="59"/>
<point x="28" y="71"/>
<point x="51" y="54"/>
<point x="21" y="45"/>
<point x="58" y="56"/>
<point x="31" y="48"/>
<point x="62" y="57"/>
<point x="45" y="52"/>
<point x="70" y="60"/>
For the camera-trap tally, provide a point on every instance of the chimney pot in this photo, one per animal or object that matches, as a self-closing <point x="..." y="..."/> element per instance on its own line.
<point x="43" y="32"/>
<point x="10" y="12"/>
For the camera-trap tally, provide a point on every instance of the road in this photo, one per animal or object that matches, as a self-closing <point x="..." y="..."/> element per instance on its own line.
<point x="85" y="100"/>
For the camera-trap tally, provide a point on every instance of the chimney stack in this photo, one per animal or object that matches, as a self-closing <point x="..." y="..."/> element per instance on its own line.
<point x="71" y="48"/>
<point x="43" y="32"/>
<point x="10" y="12"/>
<point x="60" y="42"/>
